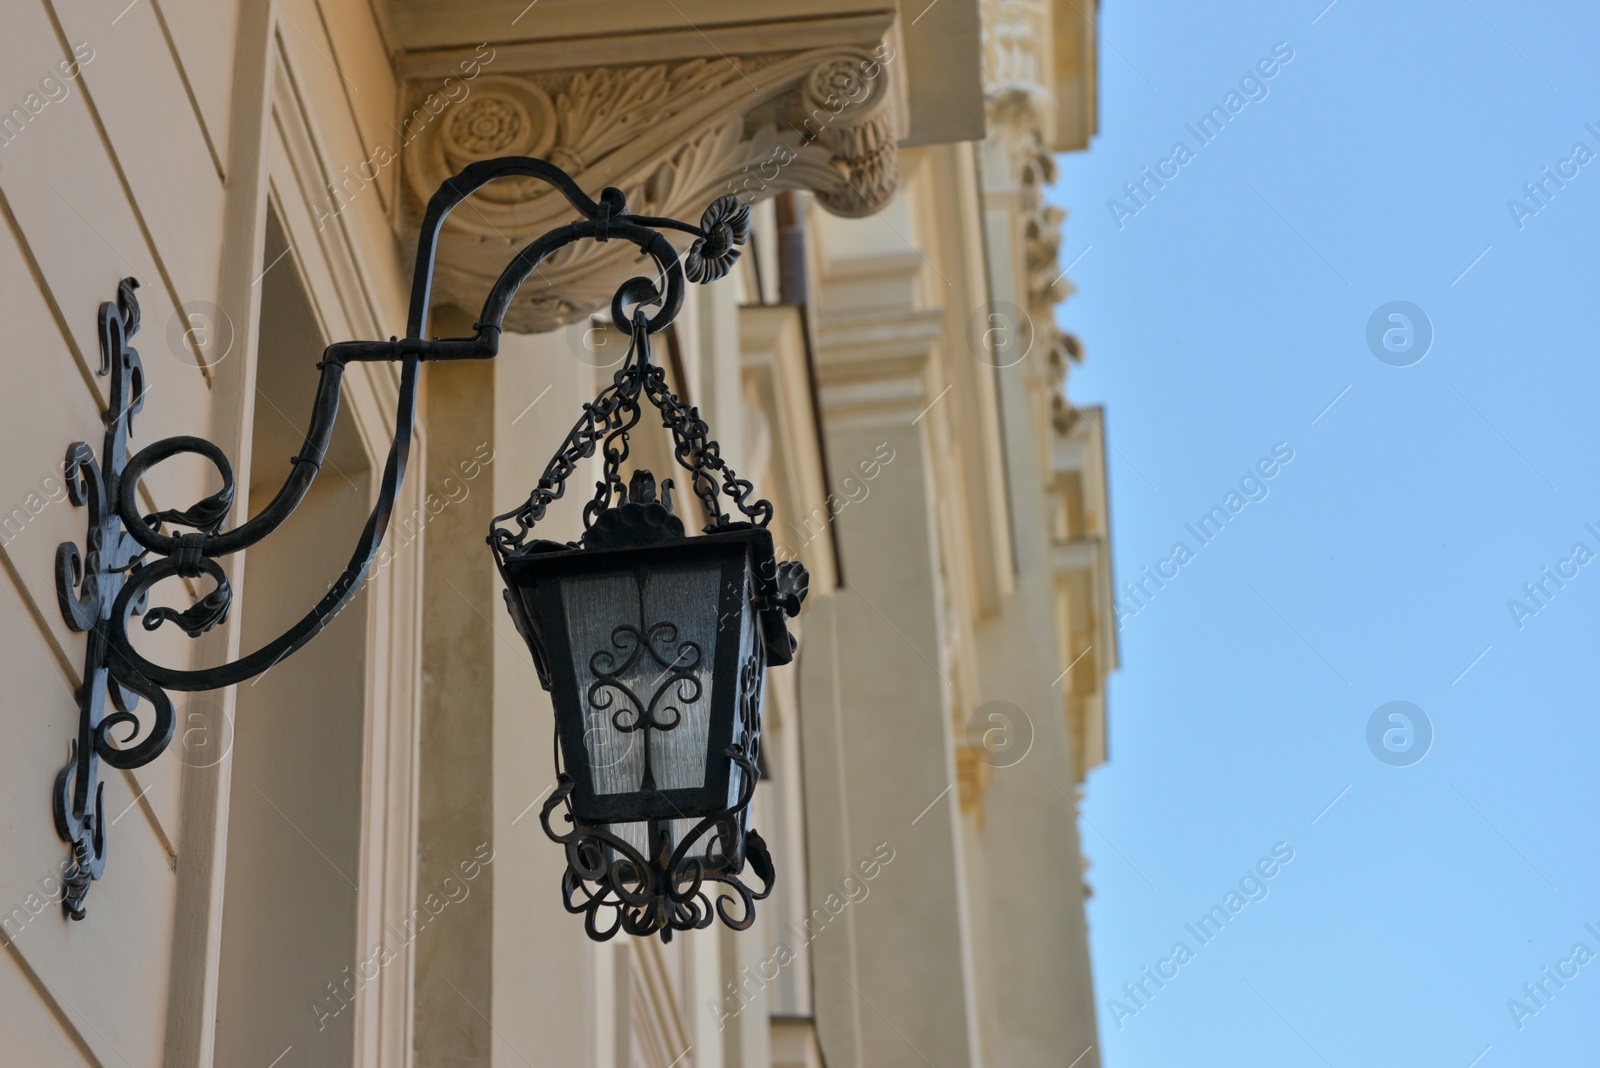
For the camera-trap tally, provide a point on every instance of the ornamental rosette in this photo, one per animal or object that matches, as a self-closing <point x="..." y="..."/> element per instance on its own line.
<point x="723" y="228"/>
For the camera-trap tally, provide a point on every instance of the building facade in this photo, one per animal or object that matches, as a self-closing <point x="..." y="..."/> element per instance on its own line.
<point x="341" y="861"/>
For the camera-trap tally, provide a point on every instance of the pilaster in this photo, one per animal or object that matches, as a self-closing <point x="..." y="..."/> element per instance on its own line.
<point x="896" y="690"/>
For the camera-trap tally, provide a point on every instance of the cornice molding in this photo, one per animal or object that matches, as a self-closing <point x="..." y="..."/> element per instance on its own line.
<point x="1080" y="560"/>
<point x="549" y="47"/>
<point x="1039" y="68"/>
<point x="1018" y="168"/>
<point x="1021" y="85"/>
<point x="1039" y="99"/>
<point x="1018" y="63"/>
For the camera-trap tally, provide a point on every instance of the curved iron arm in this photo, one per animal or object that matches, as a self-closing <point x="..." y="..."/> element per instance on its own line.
<point x="127" y="553"/>
<point x="183" y="554"/>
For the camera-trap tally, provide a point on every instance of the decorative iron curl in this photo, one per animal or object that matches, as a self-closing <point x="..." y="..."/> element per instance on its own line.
<point x="128" y="550"/>
<point x="666" y="890"/>
<point x="675" y="672"/>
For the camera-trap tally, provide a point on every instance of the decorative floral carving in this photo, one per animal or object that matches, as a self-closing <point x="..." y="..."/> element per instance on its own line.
<point x="847" y="109"/>
<point x="502" y="117"/>
<point x="840" y="77"/>
<point x="603" y="111"/>
<point x="489" y="126"/>
<point x="1017" y="40"/>
<point x="672" y="137"/>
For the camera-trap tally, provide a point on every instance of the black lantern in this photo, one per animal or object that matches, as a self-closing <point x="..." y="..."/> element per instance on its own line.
<point x="653" y="644"/>
<point x="654" y="647"/>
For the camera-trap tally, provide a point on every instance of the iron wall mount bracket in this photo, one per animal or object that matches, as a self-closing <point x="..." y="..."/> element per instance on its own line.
<point x="101" y="586"/>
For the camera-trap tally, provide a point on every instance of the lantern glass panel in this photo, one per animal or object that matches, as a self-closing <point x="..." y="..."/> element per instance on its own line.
<point x="654" y="654"/>
<point x="603" y="613"/>
<point x="745" y="734"/>
<point x="643" y="647"/>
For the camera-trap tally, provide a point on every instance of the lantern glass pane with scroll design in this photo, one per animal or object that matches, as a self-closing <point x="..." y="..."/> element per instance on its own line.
<point x="654" y="646"/>
<point x="652" y="657"/>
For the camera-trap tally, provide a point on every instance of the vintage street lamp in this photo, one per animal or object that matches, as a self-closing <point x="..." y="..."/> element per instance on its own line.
<point x="653" y="644"/>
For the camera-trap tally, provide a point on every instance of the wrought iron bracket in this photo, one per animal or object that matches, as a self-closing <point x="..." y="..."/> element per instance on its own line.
<point x="125" y="552"/>
<point x="88" y="583"/>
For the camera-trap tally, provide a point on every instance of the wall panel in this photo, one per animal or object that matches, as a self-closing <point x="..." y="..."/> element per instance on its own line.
<point x="109" y="972"/>
<point x="203" y="32"/>
<point x="80" y="236"/>
<point x="156" y="136"/>
<point x="33" y="1034"/>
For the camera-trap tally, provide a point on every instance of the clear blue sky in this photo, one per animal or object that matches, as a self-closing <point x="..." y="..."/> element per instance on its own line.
<point x="1224" y="317"/>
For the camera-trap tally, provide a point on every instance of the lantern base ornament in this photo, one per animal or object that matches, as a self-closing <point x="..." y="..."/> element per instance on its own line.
<point x="661" y="819"/>
<point x="665" y="890"/>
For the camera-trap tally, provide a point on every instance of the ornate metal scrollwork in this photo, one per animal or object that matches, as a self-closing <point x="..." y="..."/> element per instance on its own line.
<point x="127" y="552"/>
<point x="667" y="890"/>
<point x="676" y="680"/>
<point x="88" y="584"/>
